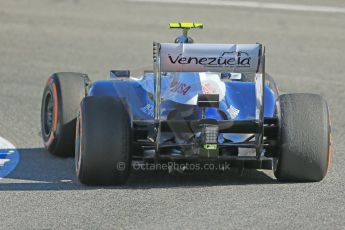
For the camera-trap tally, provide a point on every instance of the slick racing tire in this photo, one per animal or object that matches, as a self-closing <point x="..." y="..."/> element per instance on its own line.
<point x="60" y="103"/>
<point x="103" y="141"/>
<point x="305" y="138"/>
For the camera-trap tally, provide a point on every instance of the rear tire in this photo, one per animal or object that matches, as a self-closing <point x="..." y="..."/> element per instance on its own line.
<point x="304" y="149"/>
<point x="103" y="141"/>
<point x="60" y="103"/>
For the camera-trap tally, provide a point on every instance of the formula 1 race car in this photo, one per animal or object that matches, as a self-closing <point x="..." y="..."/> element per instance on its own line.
<point x="201" y="103"/>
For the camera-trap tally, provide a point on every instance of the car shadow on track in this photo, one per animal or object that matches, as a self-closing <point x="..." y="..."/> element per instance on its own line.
<point x="39" y="170"/>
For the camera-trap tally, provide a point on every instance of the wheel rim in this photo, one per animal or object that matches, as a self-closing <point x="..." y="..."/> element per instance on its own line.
<point x="48" y="116"/>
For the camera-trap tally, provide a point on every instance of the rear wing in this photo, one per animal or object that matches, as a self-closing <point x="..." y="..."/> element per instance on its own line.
<point x="184" y="57"/>
<point x="187" y="57"/>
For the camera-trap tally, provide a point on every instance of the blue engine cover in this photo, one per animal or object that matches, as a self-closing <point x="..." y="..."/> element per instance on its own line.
<point x="239" y="102"/>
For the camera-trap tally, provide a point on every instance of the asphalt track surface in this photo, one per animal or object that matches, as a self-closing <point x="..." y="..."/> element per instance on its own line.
<point x="305" y="53"/>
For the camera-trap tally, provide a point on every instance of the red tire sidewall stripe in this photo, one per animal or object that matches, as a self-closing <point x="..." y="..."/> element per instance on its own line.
<point x="56" y="111"/>
<point x="56" y="108"/>
<point x="80" y="148"/>
<point x="329" y="144"/>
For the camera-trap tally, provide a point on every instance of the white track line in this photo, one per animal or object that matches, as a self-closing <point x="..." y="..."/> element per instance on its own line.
<point x="9" y="157"/>
<point x="252" y="4"/>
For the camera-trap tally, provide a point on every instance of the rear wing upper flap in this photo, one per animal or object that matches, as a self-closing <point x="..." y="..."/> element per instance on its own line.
<point x="184" y="57"/>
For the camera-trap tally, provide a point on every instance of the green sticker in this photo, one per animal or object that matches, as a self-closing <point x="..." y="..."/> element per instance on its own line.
<point x="210" y="146"/>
